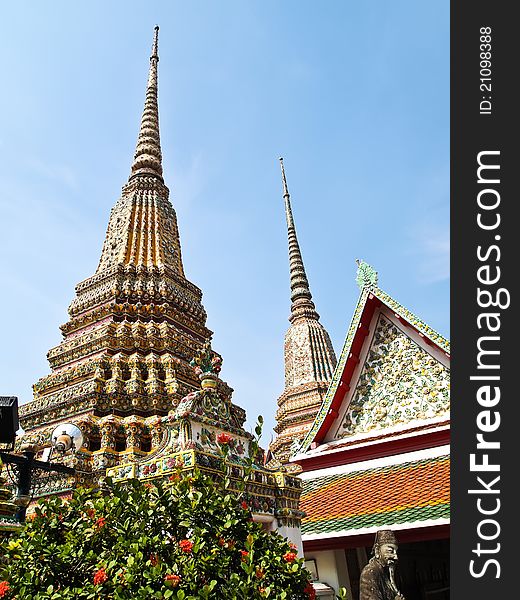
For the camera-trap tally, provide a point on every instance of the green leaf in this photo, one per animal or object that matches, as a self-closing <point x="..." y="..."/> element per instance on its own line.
<point x="47" y="554"/>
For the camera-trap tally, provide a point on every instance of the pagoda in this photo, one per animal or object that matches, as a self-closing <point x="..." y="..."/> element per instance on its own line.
<point x="134" y="325"/>
<point x="135" y="371"/>
<point x="309" y="356"/>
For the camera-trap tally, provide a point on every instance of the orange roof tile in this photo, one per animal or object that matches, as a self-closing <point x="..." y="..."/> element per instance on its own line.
<point x="407" y="492"/>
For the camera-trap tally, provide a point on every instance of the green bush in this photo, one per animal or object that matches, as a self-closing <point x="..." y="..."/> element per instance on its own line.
<point x="184" y="539"/>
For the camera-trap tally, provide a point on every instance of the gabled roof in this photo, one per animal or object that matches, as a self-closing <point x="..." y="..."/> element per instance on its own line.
<point x="371" y="298"/>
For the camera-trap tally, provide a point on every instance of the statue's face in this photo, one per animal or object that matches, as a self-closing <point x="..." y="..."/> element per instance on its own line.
<point x="387" y="554"/>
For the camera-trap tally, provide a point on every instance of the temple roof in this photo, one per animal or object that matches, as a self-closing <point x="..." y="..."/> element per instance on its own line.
<point x="415" y="493"/>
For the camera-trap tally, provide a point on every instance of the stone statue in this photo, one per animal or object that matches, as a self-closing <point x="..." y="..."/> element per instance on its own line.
<point x="377" y="578"/>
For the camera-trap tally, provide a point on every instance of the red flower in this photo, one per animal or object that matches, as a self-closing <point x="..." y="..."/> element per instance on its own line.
<point x="223" y="438"/>
<point x="100" y="576"/>
<point x="221" y="542"/>
<point x="154" y="560"/>
<point x="289" y="556"/>
<point x="91" y="513"/>
<point x="148" y="486"/>
<point x="172" y="579"/>
<point x="186" y="545"/>
<point x="4" y="588"/>
<point x="259" y="573"/>
<point x="244" y="505"/>
<point x="175" y="477"/>
<point x="244" y="554"/>
<point x="310" y="591"/>
<point x="101" y="522"/>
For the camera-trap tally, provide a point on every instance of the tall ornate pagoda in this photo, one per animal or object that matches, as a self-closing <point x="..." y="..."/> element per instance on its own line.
<point x="309" y="356"/>
<point x="134" y="325"/>
<point x="135" y="370"/>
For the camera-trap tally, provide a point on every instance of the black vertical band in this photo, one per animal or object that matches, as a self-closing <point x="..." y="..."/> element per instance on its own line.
<point x="484" y="267"/>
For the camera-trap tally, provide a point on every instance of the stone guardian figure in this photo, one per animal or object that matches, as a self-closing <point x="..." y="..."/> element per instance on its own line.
<point x="377" y="581"/>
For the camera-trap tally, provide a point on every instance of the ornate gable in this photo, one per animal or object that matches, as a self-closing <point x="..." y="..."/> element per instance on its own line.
<point x="393" y="370"/>
<point x="400" y="382"/>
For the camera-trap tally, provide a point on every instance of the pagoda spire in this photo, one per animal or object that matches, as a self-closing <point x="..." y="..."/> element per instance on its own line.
<point x="143" y="231"/>
<point x="301" y="296"/>
<point x="148" y="156"/>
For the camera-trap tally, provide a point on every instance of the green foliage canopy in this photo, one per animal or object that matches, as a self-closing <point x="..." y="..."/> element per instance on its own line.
<point x="185" y="539"/>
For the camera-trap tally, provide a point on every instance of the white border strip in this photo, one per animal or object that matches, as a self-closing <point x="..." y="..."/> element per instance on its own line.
<point x="415" y="427"/>
<point x="363" y="530"/>
<point x="410" y="430"/>
<point x="385" y="461"/>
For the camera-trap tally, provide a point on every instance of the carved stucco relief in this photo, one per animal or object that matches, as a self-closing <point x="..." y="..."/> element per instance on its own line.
<point x="400" y="382"/>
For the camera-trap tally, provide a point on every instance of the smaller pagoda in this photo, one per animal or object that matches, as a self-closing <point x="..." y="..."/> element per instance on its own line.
<point x="308" y="354"/>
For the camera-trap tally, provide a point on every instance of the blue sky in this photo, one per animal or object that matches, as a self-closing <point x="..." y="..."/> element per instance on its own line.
<point x="354" y="95"/>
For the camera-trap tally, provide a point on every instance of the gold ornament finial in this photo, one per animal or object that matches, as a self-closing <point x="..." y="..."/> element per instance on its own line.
<point x="366" y="276"/>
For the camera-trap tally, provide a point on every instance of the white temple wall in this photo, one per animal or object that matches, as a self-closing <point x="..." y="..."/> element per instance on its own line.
<point x="293" y="534"/>
<point x="332" y="568"/>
